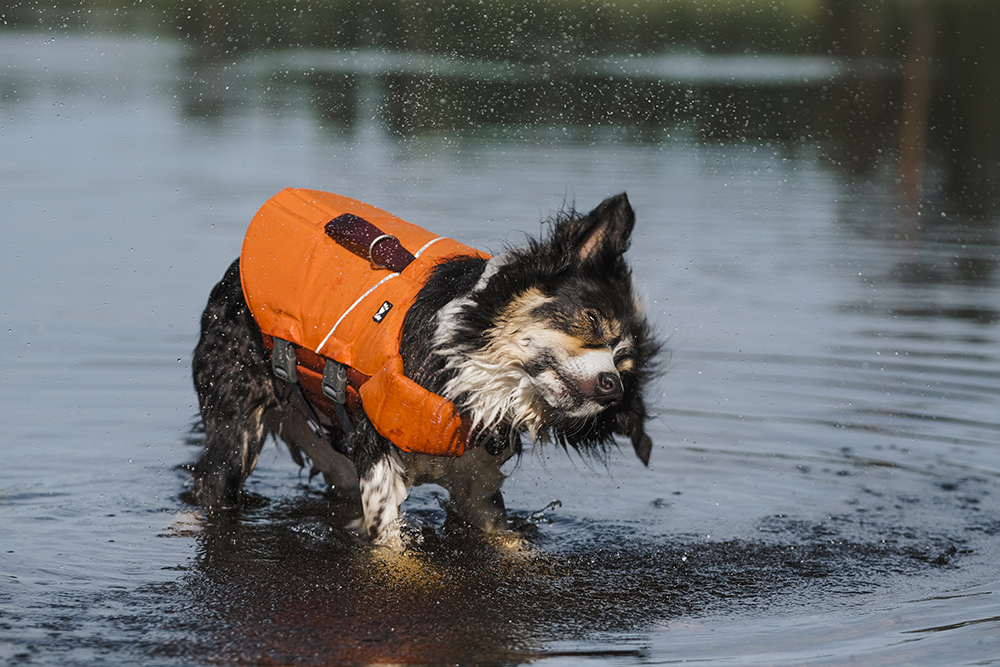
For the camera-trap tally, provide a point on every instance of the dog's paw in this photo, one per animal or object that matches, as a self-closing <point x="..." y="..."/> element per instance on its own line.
<point x="508" y="541"/>
<point x="356" y="527"/>
<point x="391" y="537"/>
<point x="185" y="524"/>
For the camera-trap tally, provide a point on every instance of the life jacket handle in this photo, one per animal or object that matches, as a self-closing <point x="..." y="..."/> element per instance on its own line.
<point x="383" y="251"/>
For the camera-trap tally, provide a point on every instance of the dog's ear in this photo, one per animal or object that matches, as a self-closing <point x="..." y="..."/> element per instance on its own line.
<point x="643" y="446"/>
<point x="630" y="421"/>
<point x="604" y="233"/>
<point x="630" y="414"/>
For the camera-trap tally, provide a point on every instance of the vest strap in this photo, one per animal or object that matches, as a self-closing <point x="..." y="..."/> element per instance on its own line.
<point x="335" y="388"/>
<point x="284" y="365"/>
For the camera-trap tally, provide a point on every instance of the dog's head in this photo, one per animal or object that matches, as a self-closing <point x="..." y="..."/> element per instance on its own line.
<point x="565" y="348"/>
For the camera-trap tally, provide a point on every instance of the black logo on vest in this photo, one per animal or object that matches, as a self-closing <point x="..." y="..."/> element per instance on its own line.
<point x="382" y="312"/>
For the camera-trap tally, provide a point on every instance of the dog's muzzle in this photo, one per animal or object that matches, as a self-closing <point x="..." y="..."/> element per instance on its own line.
<point x="608" y="389"/>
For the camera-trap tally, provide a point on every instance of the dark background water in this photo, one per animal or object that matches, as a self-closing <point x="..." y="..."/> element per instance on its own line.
<point x="817" y="241"/>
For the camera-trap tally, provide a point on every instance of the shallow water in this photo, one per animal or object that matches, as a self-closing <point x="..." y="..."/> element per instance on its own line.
<point x="824" y="481"/>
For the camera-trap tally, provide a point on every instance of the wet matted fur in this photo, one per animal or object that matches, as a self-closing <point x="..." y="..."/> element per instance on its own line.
<point x="547" y="341"/>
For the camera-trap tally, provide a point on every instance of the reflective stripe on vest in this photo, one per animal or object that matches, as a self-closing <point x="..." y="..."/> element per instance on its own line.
<point x="305" y="288"/>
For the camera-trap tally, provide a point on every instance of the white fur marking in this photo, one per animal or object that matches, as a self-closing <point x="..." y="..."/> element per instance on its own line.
<point x="589" y="364"/>
<point x="449" y="316"/>
<point x="500" y="389"/>
<point x="492" y="266"/>
<point x="582" y="371"/>
<point x="382" y="492"/>
<point x="447" y="320"/>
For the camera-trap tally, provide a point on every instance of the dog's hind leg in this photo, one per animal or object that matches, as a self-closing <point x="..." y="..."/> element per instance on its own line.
<point x="232" y="376"/>
<point x="231" y="452"/>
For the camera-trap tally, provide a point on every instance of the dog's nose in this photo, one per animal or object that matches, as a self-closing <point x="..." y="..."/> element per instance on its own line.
<point x="608" y="389"/>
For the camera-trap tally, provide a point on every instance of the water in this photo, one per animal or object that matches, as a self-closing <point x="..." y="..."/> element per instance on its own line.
<point x="824" y="480"/>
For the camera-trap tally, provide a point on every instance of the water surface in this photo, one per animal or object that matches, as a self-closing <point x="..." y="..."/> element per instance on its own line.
<point x="826" y="465"/>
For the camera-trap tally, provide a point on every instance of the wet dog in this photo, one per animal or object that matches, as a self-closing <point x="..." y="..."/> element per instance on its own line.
<point x="546" y="342"/>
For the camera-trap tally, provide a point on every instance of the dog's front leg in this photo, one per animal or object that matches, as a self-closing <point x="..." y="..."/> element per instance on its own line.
<point x="383" y="490"/>
<point x="473" y="481"/>
<point x="382" y="481"/>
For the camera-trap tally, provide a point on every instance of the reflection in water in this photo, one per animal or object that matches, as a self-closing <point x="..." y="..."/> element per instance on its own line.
<point x="867" y="85"/>
<point x="940" y="263"/>
<point x="799" y="103"/>
<point x="720" y="97"/>
<point x="861" y="80"/>
<point x="286" y="584"/>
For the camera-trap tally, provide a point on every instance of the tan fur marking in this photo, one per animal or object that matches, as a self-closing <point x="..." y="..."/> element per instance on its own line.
<point x="520" y="308"/>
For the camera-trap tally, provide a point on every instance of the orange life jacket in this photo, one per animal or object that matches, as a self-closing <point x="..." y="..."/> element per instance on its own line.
<point x="330" y="303"/>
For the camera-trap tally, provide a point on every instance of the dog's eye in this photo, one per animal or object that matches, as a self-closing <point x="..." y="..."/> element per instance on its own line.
<point x="595" y="323"/>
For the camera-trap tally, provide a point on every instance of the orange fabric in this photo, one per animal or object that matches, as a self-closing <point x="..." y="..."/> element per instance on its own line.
<point x="306" y="288"/>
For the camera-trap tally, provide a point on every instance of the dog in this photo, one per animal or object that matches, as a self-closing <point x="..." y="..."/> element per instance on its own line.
<point x="546" y="342"/>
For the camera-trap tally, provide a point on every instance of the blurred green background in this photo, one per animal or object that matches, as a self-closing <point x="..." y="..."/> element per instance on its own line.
<point x="864" y="81"/>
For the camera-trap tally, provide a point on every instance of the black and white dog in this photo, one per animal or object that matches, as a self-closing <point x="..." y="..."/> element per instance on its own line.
<point x="548" y="340"/>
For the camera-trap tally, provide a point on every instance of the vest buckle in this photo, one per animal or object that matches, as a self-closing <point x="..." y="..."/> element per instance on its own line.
<point x="335" y="388"/>
<point x="335" y="381"/>
<point x="283" y="360"/>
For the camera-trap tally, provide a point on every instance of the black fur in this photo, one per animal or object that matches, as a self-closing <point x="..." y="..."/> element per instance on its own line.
<point x="232" y="376"/>
<point x="584" y="294"/>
